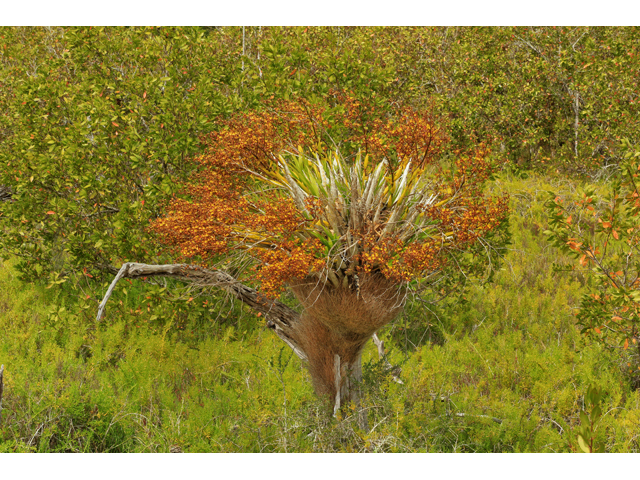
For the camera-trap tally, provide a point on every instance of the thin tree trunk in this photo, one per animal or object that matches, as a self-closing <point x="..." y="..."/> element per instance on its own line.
<point x="1" y="390"/>
<point x="347" y="384"/>
<point x="576" y="122"/>
<point x="243" y="49"/>
<point x="352" y="390"/>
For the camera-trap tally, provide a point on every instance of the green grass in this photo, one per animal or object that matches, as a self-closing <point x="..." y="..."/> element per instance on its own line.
<point x="502" y="370"/>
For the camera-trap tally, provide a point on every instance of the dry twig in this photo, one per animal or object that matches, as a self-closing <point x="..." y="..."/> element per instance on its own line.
<point x="380" y="344"/>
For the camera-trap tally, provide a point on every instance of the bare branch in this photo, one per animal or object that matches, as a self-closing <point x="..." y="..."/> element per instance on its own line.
<point x="121" y="273"/>
<point x="5" y="193"/>
<point x="380" y="344"/>
<point x="107" y="209"/>
<point x="279" y="317"/>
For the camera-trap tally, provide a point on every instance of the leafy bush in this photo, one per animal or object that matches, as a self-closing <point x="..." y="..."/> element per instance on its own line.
<point x="98" y="124"/>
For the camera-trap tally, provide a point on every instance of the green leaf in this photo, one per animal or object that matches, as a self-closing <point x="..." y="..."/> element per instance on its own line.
<point x="583" y="445"/>
<point x="584" y="419"/>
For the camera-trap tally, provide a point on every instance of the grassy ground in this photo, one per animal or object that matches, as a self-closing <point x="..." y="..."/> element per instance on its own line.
<point x="509" y="373"/>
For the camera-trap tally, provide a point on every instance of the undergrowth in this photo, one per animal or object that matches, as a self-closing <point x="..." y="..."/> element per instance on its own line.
<point x="502" y="369"/>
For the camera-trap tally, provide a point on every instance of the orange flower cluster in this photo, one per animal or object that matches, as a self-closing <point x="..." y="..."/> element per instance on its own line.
<point x="289" y="260"/>
<point x="408" y="134"/>
<point x="424" y="257"/>
<point x="229" y="208"/>
<point x="474" y="170"/>
<point x="470" y="218"/>
<point x="402" y="262"/>
<point x="461" y="223"/>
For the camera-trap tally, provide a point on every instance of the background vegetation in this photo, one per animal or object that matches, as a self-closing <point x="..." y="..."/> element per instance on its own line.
<point x="98" y="126"/>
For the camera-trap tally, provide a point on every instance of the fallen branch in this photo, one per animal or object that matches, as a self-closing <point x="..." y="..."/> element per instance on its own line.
<point x="279" y="317"/>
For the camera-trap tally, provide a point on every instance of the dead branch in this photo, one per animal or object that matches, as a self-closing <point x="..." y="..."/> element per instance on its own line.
<point x="380" y="344"/>
<point x="5" y="194"/>
<point x="279" y="317"/>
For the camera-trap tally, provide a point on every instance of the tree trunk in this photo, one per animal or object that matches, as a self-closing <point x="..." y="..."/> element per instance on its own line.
<point x="328" y="351"/>
<point x="331" y="333"/>
<point x="336" y="325"/>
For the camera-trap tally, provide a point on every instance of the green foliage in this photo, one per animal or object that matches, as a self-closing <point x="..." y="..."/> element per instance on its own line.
<point x="312" y="62"/>
<point x="546" y="96"/>
<point x="601" y="233"/>
<point x="589" y="418"/>
<point x="505" y="376"/>
<point x="98" y="125"/>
